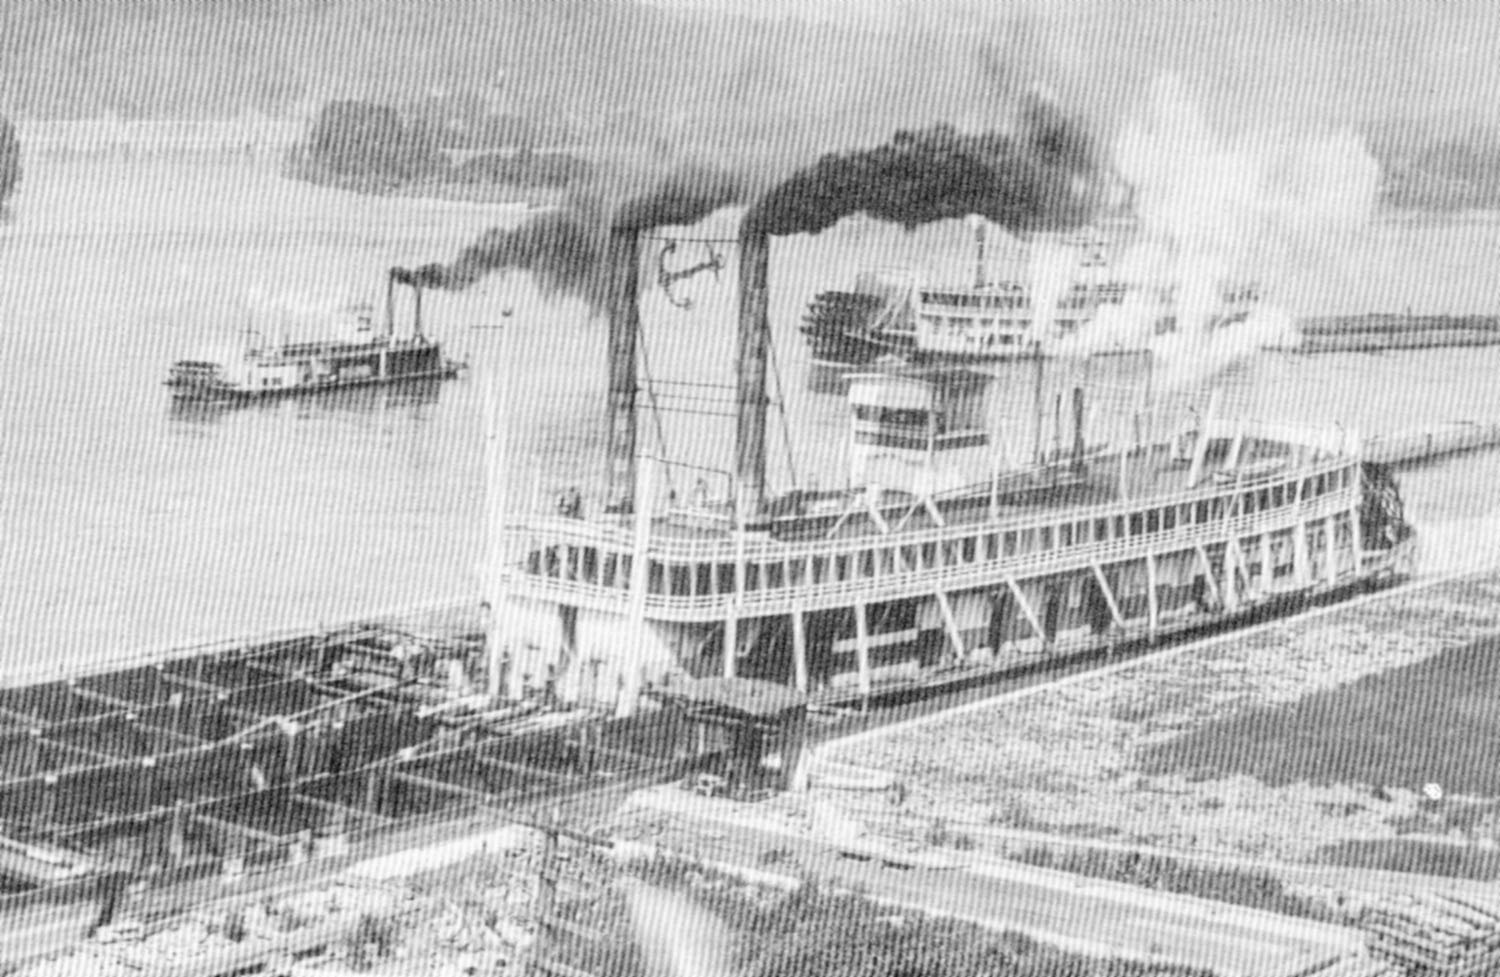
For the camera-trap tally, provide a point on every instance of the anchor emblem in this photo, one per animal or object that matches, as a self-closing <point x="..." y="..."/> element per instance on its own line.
<point x="666" y="277"/>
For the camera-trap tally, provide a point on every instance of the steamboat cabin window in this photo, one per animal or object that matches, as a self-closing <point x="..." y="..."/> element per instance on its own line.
<point x="655" y="577"/>
<point x="726" y="578"/>
<point x="1066" y="538"/>
<point x="1203" y="511"/>
<point x="991" y="547"/>
<point x="1046" y="543"/>
<point x="1028" y="541"/>
<point x="967" y="548"/>
<point x="1010" y="544"/>
<point x="1278" y="496"/>
<point x="1119" y="530"/>
<point x="752" y="576"/>
<point x="705" y="573"/>
<point x="841" y="567"/>
<point x="1136" y="524"/>
<point x="1153" y="521"/>
<point x="775" y="575"/>
<point x="867" y="563"/>
<point x="1101" y="530"/>
<point x="1169" y="517"/>
<point x="680" y="580"/>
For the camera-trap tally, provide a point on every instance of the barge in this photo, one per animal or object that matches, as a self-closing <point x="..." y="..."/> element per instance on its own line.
<point x="941" y="559"/>
<point x="267" y="368"/>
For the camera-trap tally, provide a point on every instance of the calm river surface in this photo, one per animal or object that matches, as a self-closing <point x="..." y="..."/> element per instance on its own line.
<point x="128" y="523"/>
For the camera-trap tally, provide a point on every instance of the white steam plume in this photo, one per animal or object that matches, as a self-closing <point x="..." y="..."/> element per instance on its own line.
<point x="1216" y="213"/>
<point x="678" y="937"/>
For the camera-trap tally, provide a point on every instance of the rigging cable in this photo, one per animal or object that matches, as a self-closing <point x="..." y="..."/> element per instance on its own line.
<point x="786" y="434"/>
<point x="661" y="436"/>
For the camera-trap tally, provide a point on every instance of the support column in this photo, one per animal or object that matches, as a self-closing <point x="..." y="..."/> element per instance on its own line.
<point x="1330" y="552"/>
<point x="950" y="624"/>
<point x="1208" y="576"/>
<point x="1025" y="606"/>
<point x="1356" y="545"/>
<point x="1301" y="563"/>
<point x="754" y="336"/>
<point x="731" y="642"/>
<point x="862" y="650"/>
<point x="1109" y="597"/>
<point x="624" y="326"/>
<point x="638" y="636"/>
<point x="1232" y="556"/>
<point x="1267" y="576"/>
<point x="1153" y="612"/>
<point x="799" y="649"/>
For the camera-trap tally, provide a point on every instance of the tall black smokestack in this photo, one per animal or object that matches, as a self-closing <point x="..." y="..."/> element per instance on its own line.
<point x="623" y="258"/>
<point x="750" y="400"/>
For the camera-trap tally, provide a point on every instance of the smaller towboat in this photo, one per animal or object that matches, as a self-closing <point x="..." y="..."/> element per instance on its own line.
<point x="362" y="356"/>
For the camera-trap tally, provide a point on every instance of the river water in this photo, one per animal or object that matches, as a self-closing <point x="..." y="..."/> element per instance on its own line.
<point x="129" y="523"/>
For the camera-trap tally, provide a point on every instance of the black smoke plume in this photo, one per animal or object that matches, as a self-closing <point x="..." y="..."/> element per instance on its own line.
<point x="1049" y="174"/>
<point x="565" y="249"/>
<point x="685" y="197"/>
<point x="561" y="249"/>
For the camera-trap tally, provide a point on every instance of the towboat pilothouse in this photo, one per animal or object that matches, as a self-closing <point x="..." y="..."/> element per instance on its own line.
<point x="942" y="558"/>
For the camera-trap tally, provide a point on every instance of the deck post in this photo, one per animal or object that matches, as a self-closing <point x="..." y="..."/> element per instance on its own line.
<point x="731" y="642"/>
<point x="1109" y="597"/>
<point x="498" y="679"/>
<point x="1200" y="449"/>
<point x="1266" y="577"/>
<point x="1330" y="553"/>
<point x="1025" y="606"/>
<point x="1300" y="556"/>
<point x="799" y="649"/>
<point x="1232" y="556"/>
<point x="1355" y="543"/>
<point x="1153" y="612"/>
<point x="1208" y="575"/>
<point x="731" y="623"/>
<point x="1232" y="460"/>
<point x="862" y="651"/>
<point x="637" y="636"/>
<point x="950" y="624"/>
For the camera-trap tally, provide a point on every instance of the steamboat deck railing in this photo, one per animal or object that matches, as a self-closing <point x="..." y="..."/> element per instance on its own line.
<point x="831" y="573"/>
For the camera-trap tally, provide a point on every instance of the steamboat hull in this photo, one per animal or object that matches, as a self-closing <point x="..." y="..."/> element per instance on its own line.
<point x="872" y="599"/>
<point x="218" y="393"/>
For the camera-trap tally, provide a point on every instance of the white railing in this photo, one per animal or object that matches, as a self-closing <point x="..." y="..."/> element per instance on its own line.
<point x="618" y="540"/>
<point x="948" y="574"/>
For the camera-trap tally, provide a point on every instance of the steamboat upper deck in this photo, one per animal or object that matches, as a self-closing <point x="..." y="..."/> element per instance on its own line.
<point x="878" y="545"/>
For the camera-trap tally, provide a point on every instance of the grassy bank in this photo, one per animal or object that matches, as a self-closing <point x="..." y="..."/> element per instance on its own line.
<point x="1432" y="722"/>
<point x="1308" y="740"/>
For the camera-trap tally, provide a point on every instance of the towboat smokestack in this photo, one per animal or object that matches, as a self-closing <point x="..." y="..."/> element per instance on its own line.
<point x="624" y="324"/>
<point x="750" y="417"/>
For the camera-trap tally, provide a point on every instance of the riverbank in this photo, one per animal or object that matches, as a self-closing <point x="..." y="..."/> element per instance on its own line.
<point x="1097" y="758"/>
